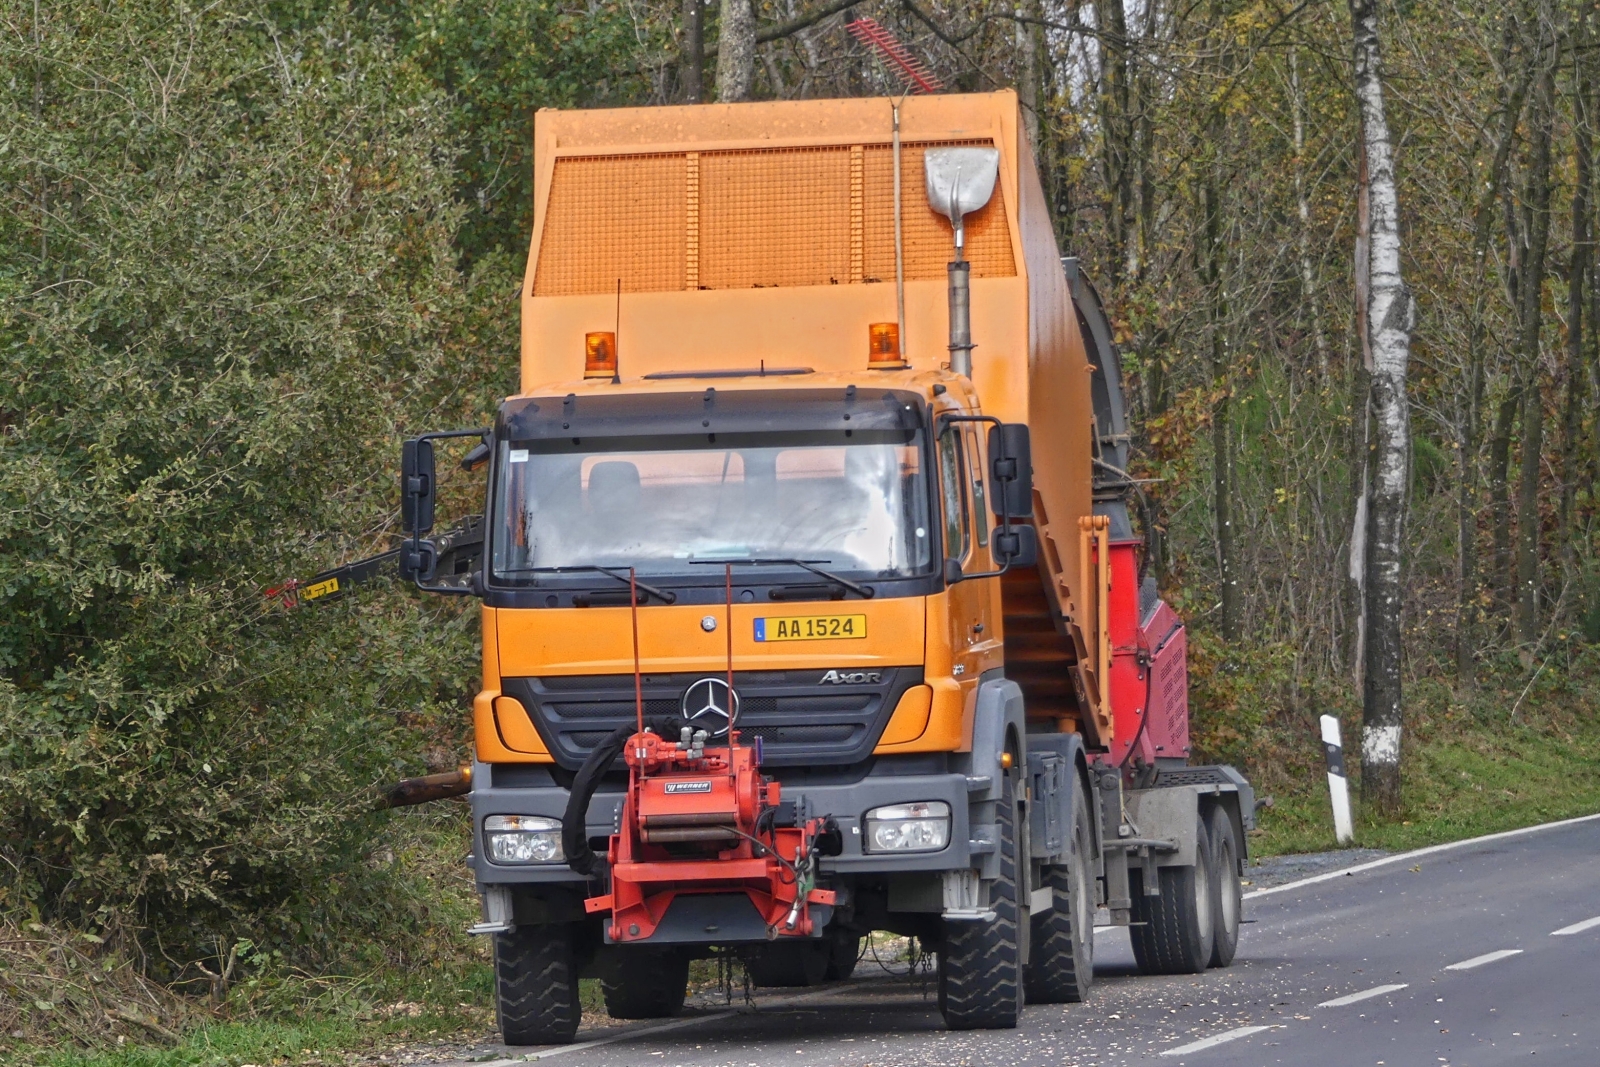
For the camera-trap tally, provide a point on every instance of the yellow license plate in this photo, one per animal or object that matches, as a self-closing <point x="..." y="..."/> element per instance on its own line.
<point x="811" y="628"/>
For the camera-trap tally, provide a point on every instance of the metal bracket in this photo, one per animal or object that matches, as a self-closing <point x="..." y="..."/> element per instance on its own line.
<point x="966" y="897"/>
<point x="497" y="914"/>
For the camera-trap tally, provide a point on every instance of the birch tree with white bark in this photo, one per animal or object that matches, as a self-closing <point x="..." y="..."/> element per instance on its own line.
<point x="736" y="51"/>
<point x="1389" y="319"/>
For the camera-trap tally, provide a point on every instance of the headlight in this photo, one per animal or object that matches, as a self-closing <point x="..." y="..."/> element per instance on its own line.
<point x="523" y="839"/>
<point x="920" y="827"/>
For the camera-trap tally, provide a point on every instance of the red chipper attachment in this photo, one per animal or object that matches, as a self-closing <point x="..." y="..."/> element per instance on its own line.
<point x="703" y="820"/>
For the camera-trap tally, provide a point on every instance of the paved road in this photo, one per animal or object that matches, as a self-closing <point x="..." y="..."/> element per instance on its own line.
<point x="1452" y="958"/>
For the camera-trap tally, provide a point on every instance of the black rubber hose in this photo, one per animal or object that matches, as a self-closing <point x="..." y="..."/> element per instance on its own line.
<point x="574" y="824"/>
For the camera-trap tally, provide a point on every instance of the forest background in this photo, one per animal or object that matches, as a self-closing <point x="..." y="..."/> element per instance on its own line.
<point x="246" y="247"/>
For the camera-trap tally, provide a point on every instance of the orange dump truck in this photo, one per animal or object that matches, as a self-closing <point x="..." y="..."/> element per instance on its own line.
<point x="812" y="604"/>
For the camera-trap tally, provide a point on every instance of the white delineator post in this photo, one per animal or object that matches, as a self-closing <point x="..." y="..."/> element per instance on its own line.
<point x="1338" y="784"/>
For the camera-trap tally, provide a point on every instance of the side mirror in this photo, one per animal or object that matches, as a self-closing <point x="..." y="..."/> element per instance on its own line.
<point x="418" y="561"/>
<point x="952" y="571"/>
<point x="417" y="482"/>
<point x="1011" y="469"/>
<point x="1016" y="546"/>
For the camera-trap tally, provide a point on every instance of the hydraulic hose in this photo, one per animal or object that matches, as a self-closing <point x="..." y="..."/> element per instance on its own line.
<point x="574" y="824"/>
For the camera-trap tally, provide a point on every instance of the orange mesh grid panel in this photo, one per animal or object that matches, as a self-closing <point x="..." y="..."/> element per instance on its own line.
<point x="929" y="244"/>
<point x="613" y="217"/>
<point x="775" y="217"/>
<point x="750" y="218"/>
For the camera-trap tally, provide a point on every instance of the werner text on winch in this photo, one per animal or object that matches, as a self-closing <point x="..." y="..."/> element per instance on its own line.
<point x="812" y="603"/>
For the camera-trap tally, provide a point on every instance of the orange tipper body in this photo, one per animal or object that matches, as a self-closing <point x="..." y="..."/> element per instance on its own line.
<point x="862" y="501"/>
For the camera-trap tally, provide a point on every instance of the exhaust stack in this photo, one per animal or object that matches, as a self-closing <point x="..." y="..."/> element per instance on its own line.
<point x="960" y="181"/>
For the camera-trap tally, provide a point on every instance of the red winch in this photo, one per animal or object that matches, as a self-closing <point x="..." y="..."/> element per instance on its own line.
<point x="704" y="820"/>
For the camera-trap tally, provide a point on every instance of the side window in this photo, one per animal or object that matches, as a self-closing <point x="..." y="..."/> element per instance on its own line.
<point x="952" y="500"/>
<point x="980" y="504"/>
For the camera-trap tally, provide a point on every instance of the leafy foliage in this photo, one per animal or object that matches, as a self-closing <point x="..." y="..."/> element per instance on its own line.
<point x="228" y="279"/>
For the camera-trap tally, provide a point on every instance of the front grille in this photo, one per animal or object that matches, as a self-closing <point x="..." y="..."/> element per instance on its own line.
<point x="800" y="720"/>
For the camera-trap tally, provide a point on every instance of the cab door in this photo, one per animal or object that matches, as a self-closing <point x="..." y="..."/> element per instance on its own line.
<point x="968" y="613"/>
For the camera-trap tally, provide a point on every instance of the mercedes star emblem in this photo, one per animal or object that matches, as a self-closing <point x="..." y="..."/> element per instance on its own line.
<point x="707" y="701"/>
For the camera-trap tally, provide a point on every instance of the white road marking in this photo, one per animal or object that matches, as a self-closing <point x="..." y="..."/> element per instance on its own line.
<point x="628" y="1035"/>
<point x="1215" y="1040"/>
<point x="659" y="1028"/>
<point x="1407" y="856"/>
<point x="1487" y="957"/>
<point x="1375" y="991"/>
<point x="1577" y="928"/>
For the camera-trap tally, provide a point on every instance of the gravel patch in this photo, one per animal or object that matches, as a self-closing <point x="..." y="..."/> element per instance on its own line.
<point x="1276" y="870"/>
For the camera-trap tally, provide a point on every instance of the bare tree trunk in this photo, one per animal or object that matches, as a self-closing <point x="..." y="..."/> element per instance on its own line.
<point x="1500" y="493"/>
<point x="1502" y="580"/>
<point x="1028" y="60"/>
<point x="1531" y="323"/>
<point x="1222" y="479"/>
<point x="1308" y="290"/>
<point x="1467" y="604"/>
<point x="1355" y="600"/>
<point x="1389" y="320"/>
<point x="693" y="70"/>
<point x="1577" y="270"/>
<point x="736" y="51"/>
<point x="1117" y="137"/>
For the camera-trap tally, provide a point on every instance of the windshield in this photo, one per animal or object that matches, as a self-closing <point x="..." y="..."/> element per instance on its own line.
<point x="858" y="508"/>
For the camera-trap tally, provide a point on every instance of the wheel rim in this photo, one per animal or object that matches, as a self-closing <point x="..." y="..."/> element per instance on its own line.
<point x="1202" y="892"/>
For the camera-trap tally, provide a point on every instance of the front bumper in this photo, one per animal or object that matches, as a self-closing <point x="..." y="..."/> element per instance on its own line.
<point x="884" y="784"/>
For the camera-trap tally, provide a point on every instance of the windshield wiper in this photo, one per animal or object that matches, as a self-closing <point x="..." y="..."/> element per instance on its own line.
<point x="865" y="592"/>
<point x="663" y="595"/>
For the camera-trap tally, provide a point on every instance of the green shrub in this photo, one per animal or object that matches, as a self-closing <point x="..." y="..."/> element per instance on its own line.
<point x="227" y="287"/>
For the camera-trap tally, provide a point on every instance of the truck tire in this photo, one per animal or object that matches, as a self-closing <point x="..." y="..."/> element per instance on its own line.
<point x="980" y="979"/>
<point x="536" y="985"/>
<point x="646" y="986"/>
<point x="1227" y="891"/>
<point x="791" y="964"/>
<point x="1061" y="963"/>
<point x="1172" y="933"/>
<point x="845" y="954"/>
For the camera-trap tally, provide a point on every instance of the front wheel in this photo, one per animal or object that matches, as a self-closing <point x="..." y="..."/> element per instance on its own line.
<point x="536" y="985"/>
<point x="980" y="980"/>
<point x="645" y="985"/>
<point x="1061" y="964"/>
<point x="790" y="964"/>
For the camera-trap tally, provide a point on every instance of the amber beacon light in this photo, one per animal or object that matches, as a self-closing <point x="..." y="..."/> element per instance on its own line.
<point x="600" y="354"/>
<point x="883" y="346"/>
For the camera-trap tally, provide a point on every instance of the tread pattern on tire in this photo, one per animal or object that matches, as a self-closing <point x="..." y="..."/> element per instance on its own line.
<point x="536" y="986"/>
<point x="646" y="986"/>
<point x="980" y="980"/>
<point x="1166" y="936"/>
<point x="793" y="965"/>
<point x="1224" y="943"/>
<point x="1060" y="968"/>
<point x="842" y="962"/>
